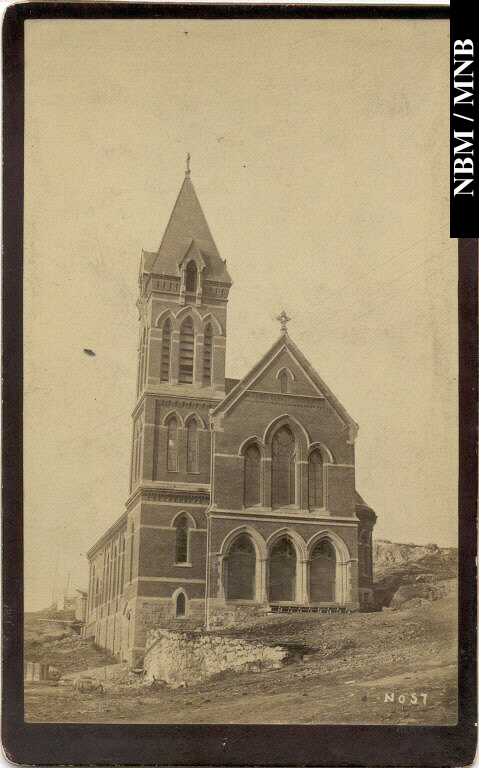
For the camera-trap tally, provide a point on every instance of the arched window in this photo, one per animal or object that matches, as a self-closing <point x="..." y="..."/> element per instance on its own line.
<point x="122" y="564"/>
<point x="114" y="580"/>
<point x="192" y="446"/>
<point x="282" y="571"/>
<point x="187" y="351"/>
<point x="322" y="587"/>
<point x="166" y="351"/>
<point x="283" y="381"/>
<point x="315" y="479"/>
<point x="283" y="468"/>
<point x="180" y="605"/>
<point x="252" y="476"/>
<point x="240" y="570"/>
<point x="172" y="445"/>
<point x="132" y="546"/>
<point x="104" y="583"/>
<point x="207" y="355"/>
<point x="107" y="580"/>
<point x="190" y="277"/>
<point x="181" y="525"/>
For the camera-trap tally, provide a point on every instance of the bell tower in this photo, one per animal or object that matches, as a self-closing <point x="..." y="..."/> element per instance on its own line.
<point x="183" y="294"/>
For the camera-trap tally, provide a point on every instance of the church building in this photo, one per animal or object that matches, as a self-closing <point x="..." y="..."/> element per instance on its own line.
<point x="242" y="491"/>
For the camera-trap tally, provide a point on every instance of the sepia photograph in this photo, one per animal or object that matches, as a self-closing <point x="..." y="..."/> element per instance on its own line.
<point x="240" y="372"/>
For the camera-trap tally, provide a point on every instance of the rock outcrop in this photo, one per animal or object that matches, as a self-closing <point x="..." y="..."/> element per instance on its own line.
<point x="410" y="572"/>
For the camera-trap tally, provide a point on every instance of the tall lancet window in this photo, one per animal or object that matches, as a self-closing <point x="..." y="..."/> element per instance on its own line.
<point x="192" y="446"/>
<point x="315" y="479"/>
<point x="191" y="277"/>
<point x="187" y="351"/>
<point x="283" y="381"/>
<point x="207" y="355"/>
<point x="181" y="526"/>
<point x="172" y="445"/>
<point x="283" y="468"/>
<point x="165" y="351"/>
<point x="252" y="476"/>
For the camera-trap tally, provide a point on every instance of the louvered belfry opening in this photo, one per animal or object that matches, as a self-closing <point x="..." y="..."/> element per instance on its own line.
<point x="166" y="351"/>
<point x="282" y="571"/>
<point x="187" y="352"/>
<point x="241" y="569"/>
<point x="191" y="277"/>
<point x="207" y="355"/>
<point x="322" y="587"/>
<point x="283" y="468"/>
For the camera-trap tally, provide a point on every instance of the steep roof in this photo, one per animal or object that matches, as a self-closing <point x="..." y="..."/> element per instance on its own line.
<point x="187" y="225"/>
<point x="285" y="342"/>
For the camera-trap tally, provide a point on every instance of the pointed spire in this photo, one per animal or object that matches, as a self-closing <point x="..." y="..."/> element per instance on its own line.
<point x="187" y="222"/>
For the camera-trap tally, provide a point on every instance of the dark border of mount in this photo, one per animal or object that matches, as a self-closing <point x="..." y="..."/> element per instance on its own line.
<point x="218" y="745"/>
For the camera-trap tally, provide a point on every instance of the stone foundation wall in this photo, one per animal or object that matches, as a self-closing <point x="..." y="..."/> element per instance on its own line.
<point x="185" y="658"/>
<point x="150" y="614"/>
<point x="222" y="614"/>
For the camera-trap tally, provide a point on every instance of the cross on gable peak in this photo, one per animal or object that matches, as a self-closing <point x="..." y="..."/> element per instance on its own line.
<point x="284" y="320"/>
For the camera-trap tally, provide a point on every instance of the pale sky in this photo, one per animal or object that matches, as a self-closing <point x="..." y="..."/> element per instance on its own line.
<point x="320" y="157"/>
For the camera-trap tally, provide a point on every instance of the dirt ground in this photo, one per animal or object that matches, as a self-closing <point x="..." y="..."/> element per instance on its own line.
<point x="389" y="667"/>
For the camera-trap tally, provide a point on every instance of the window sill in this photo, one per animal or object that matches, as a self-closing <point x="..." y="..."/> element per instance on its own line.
<point x="183" y="565"/>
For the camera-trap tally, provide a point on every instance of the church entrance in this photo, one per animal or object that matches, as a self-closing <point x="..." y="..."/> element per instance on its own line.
<point x="282" y="572"/>
<point x="322" y="587"/>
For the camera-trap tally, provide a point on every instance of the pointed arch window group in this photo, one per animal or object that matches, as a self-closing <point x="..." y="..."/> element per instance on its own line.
<point x="285" y="472"/>
<point x="173" y="452"/>
<point x="104" y="592"/>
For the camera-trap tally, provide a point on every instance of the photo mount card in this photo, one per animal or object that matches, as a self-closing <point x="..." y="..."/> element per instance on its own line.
<point x="240" y="517"/>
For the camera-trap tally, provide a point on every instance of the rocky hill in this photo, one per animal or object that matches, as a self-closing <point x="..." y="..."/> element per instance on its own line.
<point x="411" y="572"/>
<point x="53" y="637"/>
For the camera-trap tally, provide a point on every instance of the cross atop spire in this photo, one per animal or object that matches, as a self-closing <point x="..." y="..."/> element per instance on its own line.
<point x="284" y="320"/>
<point x="188" y="169"/>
